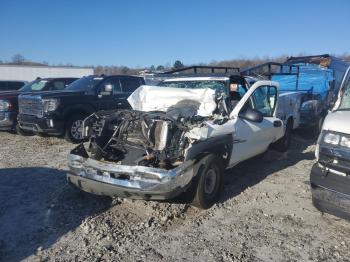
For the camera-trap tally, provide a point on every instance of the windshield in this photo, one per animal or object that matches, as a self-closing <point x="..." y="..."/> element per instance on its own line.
<point x="85" y="83"/>
<point x="36" y="85"/>
<point x="218" y="85"/>
<point x="345" y="99"/>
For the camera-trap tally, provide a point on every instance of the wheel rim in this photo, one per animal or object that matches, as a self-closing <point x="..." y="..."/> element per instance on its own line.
<point x="77" y="129"/>
<point x="210" y="181"/>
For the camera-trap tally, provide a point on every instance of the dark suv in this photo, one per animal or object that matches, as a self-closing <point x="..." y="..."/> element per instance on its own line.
<point x="9" y="99"/>
<point x="62" y="113"/>
<point x="11" y="85"/>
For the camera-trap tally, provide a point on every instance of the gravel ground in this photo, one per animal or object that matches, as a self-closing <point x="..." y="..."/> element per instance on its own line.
<point x="265" y="214"/>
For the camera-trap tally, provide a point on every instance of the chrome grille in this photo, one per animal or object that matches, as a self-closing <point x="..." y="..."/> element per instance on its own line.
<point x="30" y="105"/>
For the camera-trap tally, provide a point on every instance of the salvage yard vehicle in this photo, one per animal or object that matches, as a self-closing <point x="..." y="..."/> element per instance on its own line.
<point x="329" y="179"/>
<point x="287" y="108"/>
<point x="62" y="113"/>
<point x="315" y="79"/>
<point x="9" y="100"/>
<point x="176" y="139"/>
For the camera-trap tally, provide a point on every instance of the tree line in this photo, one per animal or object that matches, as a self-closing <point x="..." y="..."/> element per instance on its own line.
<point x="19" y="59"/>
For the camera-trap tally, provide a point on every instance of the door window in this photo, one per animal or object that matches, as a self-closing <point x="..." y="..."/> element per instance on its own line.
<point x="58" y="85"/>
<point x="15" y="85"/>
<point x="264" y="100"/>
<point x="3" y="86"/>
<point x="38" y="85"/>
<point x="68" y="81"/>
<point x="129" y="85"/>
<point x="115" y="83"/>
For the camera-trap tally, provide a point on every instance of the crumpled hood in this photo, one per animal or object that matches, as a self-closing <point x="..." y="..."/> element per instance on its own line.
<point x="157" y="98"/>
<point x="338" y="121"/>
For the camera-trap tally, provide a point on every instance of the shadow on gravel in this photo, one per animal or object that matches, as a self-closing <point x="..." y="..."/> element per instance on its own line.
<point x="37" y="207"/>
<point x="253" y="171"/>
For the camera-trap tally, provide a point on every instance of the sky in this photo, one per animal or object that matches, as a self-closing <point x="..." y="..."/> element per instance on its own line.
<point x="156" y="32"/>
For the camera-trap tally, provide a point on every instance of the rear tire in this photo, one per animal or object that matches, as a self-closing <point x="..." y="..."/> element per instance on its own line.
<point x="73" y="132"/>
<point x="208" y="182"/>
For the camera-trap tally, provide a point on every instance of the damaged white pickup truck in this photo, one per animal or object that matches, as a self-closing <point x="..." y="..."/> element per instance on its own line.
<point x="176" y="139"/>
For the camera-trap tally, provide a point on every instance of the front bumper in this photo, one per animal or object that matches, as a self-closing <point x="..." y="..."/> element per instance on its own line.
<point x="7" y="120"/>
<point x="47" y="125"/>
<point x="330" y="192"/>
<point x="137" y="182"/>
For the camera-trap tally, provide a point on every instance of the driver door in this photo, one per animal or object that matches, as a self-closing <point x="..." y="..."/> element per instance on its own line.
<point x="114" y="99"/>
<point x="252" y="138"/>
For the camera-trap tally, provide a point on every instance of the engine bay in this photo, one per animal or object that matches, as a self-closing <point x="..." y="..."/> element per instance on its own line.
<point x="128" y="137"/>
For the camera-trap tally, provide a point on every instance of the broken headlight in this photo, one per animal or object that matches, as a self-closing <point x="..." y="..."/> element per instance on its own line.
<point x="50" y="104"/>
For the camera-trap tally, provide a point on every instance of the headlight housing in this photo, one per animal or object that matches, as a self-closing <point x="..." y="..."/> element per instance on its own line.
<point x="336" y="139"/>
<point x="331" y="138"/>
<point x="50" y="104"/>
<point x="4" y="105"/>
<point x="345" y="141"/>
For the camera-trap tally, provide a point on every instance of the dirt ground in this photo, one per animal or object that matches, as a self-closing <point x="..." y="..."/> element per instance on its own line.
<point x="265" y="214"/>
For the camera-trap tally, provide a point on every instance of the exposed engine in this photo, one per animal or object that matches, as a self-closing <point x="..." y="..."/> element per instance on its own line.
<point x="155" y="139"/>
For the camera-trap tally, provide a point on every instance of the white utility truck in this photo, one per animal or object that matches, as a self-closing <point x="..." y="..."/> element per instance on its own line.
<point x="179" y="137"/>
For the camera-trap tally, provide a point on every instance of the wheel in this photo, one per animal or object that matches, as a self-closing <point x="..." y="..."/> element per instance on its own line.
<point x="22" y="132"/>
<point x="282" y="145"/>
<point x="208" y="182"/>
<point x="74" y="129"/>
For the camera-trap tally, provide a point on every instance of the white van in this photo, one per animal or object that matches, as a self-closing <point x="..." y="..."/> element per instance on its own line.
<point x="330" y="176"/>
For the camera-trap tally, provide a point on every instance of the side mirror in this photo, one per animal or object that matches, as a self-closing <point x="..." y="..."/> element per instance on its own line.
<point x="251" y="115"/>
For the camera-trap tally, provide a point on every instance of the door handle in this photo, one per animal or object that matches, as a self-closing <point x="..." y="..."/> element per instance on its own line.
<point x="277" y="123"/>
<point x="119" y="104"/>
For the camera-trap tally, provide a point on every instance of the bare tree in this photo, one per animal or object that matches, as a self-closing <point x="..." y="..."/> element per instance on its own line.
<point x="18" y="59"/>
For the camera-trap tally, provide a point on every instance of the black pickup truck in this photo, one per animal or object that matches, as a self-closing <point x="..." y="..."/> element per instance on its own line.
<point x="9" y="99"/>
<point x="62" y="113"/>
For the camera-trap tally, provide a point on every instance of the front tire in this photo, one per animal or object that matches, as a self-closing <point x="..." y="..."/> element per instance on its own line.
<point x="209" y="182"/>
<point x="74" y="130"/>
